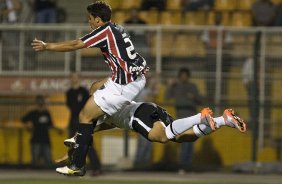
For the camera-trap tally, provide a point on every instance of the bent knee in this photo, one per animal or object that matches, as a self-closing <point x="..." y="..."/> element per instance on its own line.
<point x="163" y="139"/>
<point x="158" y="138"/>
<point x="157" y="133"/>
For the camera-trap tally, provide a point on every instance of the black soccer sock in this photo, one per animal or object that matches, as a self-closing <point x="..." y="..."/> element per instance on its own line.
<point x="94" y="123"/>
<point x="83" y="140"/>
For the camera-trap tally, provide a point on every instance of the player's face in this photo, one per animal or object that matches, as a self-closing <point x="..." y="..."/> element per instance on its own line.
<point x="74" y="79"/>
<point x="93" y="22"/>
<point x="183" y="77"/>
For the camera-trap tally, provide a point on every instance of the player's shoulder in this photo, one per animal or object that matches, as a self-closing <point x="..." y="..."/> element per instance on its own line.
<point x="119" y="28"/>
<point x="99" y="29"/>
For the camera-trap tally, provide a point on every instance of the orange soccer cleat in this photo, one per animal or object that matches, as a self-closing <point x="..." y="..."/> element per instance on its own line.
<point x="206" y="117"/>
<point x="233" y="120"/>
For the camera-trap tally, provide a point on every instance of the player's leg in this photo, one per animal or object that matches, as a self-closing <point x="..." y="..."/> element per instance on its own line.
<point x="46" y="154"/>
<point x="179" y="126"/>
<point x="192" y="134"/>
<point x="72" y="131"/>
<point x="35" y="152"/>
<point x="83" y="139"/>
<point x="108" y="99"/>
<point x="70" y="142"/>
<point x="96" y="85"/>
<point x="155" y="124"/>
<point x="230" y="119"/>
<point x="187" y="136"/>
<point x="158" y="133"/>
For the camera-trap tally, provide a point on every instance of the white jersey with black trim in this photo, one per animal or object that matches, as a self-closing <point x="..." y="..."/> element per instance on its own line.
<point x="123" y="118"/>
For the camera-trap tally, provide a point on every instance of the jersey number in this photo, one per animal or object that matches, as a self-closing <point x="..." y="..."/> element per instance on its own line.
<point x="130" y="49"/>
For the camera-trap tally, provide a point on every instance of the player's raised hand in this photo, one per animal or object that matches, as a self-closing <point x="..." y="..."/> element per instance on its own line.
<point x="38" y="45"/>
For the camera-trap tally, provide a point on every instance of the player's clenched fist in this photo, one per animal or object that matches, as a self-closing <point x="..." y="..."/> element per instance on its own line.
<point x="38" y="45"/>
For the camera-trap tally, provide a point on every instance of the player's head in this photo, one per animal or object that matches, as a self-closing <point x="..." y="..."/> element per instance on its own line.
<point x="75" y="80"/>
<point x="134" y="13"/>
<point x="40" y="100"/>
<point x="99" y="13"/>
<point x="184" y="74"/>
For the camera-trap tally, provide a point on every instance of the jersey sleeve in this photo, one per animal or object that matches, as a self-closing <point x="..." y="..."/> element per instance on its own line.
<point x="96" y="38"/>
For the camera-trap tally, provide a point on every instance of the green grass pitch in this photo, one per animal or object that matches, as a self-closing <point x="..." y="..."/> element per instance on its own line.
<point x="93" y="181"/>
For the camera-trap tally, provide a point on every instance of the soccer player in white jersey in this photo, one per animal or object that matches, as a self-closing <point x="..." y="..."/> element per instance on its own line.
<point x="156" y="125"/>
<point x="127" y="79"/>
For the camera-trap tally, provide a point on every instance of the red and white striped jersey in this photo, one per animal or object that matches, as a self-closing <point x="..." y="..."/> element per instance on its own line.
<point x="118" y="51"/>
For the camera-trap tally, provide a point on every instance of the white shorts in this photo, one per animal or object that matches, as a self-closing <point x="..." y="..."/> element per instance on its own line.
<point x="112" y="96"/>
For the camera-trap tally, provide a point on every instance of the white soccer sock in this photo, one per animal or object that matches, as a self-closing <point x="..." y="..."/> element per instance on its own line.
<point x="201" y="130"/>
<point x="179" y="126"/>
<point x="219" y="121"/>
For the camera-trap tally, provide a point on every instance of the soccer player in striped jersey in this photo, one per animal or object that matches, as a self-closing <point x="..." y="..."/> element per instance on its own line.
<point x="156" y="125"/>
<point x="126" y="81"/>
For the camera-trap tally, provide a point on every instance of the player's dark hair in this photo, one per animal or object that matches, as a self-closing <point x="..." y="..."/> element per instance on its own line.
<point x="100" y="9"/>
<point x="185" y="71"/>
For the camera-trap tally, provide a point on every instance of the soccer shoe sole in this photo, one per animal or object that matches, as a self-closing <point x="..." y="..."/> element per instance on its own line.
<point x="76" y="174"/>
<point x="72" y="172"/>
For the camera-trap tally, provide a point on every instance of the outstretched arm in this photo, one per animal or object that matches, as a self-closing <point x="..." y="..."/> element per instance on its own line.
<point x="39" y="45"/>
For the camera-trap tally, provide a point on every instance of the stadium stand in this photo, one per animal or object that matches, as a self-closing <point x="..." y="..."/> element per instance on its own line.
<point x="225" y="4"/>
<point x="115" y="4"/>
<point x="210" y="18"/>
<point x="182" y="48"/>
<point x="173" y="5"/>
<point x="226" y="18"/>
<point x="195" y="18"/>
<point x="169" y="18"/>
<point x="188" y="45"/>
<point x="119" y="17"/>
<point x="167" y="41"/>
<point x="240" y="19"/>
<point x="277" y="1"/>
<point x="153" y="14"/>
<point x="245" y="4"/>
<point x="128" y="4"/>
<point x="74" y="10"/>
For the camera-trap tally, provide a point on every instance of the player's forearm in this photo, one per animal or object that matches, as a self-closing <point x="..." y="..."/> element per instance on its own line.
<point x="64" y="46"/>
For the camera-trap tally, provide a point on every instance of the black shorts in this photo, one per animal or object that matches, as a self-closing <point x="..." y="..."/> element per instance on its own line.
<point x="146" y="115"/>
